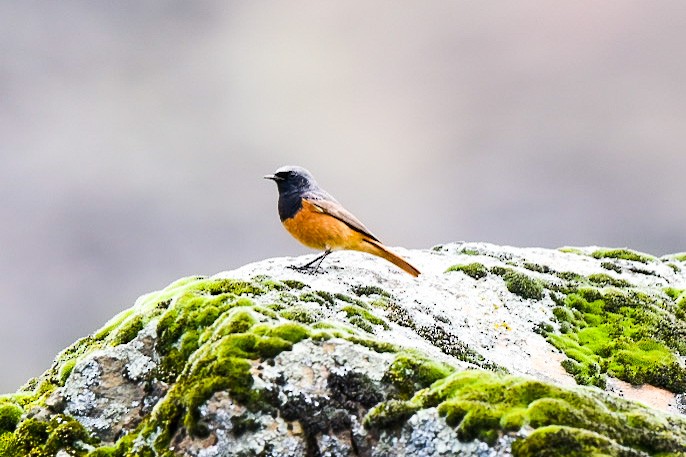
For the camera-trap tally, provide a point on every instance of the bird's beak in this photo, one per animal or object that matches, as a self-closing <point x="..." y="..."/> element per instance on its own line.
<point x="273" y="177"/>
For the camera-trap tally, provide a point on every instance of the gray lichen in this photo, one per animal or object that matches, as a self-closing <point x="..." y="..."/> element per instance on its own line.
<point x="364" y="360"/>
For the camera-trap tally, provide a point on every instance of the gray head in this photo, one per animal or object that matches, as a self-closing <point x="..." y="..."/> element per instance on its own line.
<point x="292" y="179"/>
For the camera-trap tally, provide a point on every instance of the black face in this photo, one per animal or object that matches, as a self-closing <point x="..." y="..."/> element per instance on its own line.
<point x="292" y="179"/>
<point x="284" y="175"/>
<point x="293" y="182"/>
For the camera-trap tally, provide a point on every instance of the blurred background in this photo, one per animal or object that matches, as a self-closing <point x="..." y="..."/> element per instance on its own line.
<point x="134" y="137"/>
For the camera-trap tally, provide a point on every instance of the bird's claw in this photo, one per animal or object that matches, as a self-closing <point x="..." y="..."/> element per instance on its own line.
<point x="304" y="268"/>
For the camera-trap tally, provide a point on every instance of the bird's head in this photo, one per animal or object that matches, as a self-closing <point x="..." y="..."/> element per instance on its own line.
<point x="293" y="179"/>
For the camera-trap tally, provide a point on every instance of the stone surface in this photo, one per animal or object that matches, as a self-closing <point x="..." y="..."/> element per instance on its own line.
<point x="269" y="361"/>
<point x="111" y="390"/>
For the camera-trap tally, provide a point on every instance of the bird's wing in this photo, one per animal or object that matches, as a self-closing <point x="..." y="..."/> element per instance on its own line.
<point x="335" y="209"/>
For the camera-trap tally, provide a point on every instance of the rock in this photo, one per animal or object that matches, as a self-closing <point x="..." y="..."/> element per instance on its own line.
<point x="112" y="389"/>
<point x="492" y="351"/>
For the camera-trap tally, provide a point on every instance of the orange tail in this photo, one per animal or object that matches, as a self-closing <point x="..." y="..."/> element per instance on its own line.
<point x="378" y="249"/>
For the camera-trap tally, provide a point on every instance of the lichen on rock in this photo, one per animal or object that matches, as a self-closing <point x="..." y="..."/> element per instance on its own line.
<point x="478" y="356"/>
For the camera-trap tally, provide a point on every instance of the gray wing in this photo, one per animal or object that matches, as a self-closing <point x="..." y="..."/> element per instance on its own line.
<point x="331" y="207"/>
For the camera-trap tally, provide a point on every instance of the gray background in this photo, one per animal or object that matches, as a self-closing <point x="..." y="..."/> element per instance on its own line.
<point x="133" y="137"/>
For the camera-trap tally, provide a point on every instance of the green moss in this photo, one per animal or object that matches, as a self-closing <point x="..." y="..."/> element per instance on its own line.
<point x="10" y="414"/>
<point x="284" y="299"/>
<point x="555" y="440"/>
<point x="382" y="303"/>
<point x="571" y="250"/>
<point x="524" y="286"/>
<point x="45" y="438"/>
<point x="474" y="270"/>
<point x="194" y="310"/>
<point x="678" y="257"/>
<point x="223" y="372"/>
<point x="674" y="267"/>
<point x="65" y="370"/>
<point x="113" y="324"/>
<point x="277" y="306"/>
<point x="388" y="414"/>
<point x="673" y="293"/>
<point x="513" y="420"/>
<point x="680" y="309"/>
<point x="240" y="321"/>
<point x="366" y="290"/>
<point x="625" y="254"/>
<point x="327" y="296"/>
<point x="269" y="284"/>
<point x="362" y="318"/>
<point x="625" y="334"/>
<point x="352" y="300"/>
<point x="267" y="312"/>
<point x="374" y="345"/>
<point x="293" y="284"/>
<point x="399" y="315"/>
<point x="302" y="314"/>
<point x="290" y="332"/>
<point x="8" y="445"/>
<point x="317" y="297"/>
<point x="128" y="330"/>
<point x="544" y="269"/>
<point x="104" y="451"/>
<point x="411" y="372"/>
<point x="570" y="276"/>
<point x="32" y="434"/>
<point x="602" y="279"/>
<point x="449" y="343"/>
<point x="361" y="323"/>
<point x="65" y="433"/>
<point x="483" y="405"/>
<point x="229" y="286"/>
<point x="520" y="283"/>
<point x="611" y="266"/>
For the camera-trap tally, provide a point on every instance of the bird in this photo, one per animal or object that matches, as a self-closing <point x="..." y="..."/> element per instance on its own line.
<point x="316" y="219"/>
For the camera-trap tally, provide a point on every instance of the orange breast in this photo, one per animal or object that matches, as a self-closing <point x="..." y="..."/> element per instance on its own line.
<point x="318" y="230"/>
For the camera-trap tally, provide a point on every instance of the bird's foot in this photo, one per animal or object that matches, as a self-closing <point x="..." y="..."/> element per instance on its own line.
<point x="312" y="266"/>
<point x="304" y="268"/>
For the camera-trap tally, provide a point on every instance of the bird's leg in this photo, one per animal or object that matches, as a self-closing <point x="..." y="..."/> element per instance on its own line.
<point x="317" y="260"/>
<point x="321" y="259"/>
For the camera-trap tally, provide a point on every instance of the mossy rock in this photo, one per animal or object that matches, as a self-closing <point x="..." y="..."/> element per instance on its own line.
<point x="216" y="336"/>
<point x="623" y="333"/>
<point x="208" y="334"/>
<point x="624" y="254"/>
<point x="555" y="441"/>
<point x="473" y="270"/>
<point x="521" y="284"/>
<point x="602" y="280"/>
<point x="678" y="257"/>
<point x="10" y="414"/>
<point x="411" y="371"/>
<point x="44" y="438"/>
<point x="484" y="405"/>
